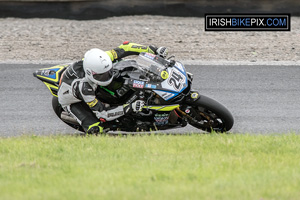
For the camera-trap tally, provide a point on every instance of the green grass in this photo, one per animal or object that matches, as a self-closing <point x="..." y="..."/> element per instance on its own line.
<point x="216" y="166"/>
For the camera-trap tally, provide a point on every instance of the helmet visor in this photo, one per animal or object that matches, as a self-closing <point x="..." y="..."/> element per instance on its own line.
<point x="104" y="76"/>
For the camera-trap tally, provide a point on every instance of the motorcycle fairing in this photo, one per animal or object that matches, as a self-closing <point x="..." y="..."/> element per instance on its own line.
<point x="50" y="74"/>
<point x="162" y="107"/>
<point x="50" y="77"/>
<point x="174" y="84"/>
<point x="53" y="89"/>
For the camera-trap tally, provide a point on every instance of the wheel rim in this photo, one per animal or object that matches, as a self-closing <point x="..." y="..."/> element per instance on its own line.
<point x="207" y="120"/>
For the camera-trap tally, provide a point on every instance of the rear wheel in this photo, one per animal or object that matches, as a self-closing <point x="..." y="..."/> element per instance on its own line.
<point x="209" y="115"/>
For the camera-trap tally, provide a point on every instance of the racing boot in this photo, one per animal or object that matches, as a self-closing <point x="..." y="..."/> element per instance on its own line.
<point x="95" y="129"/>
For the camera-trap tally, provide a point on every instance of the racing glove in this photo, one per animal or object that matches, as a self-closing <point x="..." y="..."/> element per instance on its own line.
<point x="136" y="106"/>
<point x="162" y="52"/>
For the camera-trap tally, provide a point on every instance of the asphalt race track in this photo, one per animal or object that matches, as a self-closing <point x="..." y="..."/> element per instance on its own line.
<point x="262" y="99"/>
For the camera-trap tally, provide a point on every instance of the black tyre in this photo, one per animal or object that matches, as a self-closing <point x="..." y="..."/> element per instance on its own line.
<point x="209" y="115"/>
<point x="58" y="111"/>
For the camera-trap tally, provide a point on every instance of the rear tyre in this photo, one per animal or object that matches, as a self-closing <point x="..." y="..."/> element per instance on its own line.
<point x="209" y="115"/>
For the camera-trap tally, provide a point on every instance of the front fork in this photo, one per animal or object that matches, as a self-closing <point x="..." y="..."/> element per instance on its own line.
<point x="188" y="112"/>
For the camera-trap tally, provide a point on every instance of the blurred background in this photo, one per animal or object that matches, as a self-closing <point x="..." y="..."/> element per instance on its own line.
<point x="82" y="9"/>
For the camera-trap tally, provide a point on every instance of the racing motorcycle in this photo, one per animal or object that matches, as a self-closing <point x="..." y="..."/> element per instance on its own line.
<point x="164" y="85"/>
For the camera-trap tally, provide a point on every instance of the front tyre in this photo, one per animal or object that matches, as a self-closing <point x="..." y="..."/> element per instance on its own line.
<point x="209" y="115"/>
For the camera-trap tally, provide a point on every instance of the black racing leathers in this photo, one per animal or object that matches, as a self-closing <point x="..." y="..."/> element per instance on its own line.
<point x="75" y="88"/>
<point x="77" y="96"/>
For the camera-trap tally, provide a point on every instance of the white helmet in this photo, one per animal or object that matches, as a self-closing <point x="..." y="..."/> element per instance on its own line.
<point x="97" y="66"/>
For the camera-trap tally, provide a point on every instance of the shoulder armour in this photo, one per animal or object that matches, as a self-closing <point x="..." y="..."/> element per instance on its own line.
<point x="87" y="89"/>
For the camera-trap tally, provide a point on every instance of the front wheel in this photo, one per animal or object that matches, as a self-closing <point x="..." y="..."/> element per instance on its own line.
<point x="209" y="115"/>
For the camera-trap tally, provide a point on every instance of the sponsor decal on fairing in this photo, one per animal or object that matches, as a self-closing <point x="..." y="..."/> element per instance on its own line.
<point x="138" y="84"/>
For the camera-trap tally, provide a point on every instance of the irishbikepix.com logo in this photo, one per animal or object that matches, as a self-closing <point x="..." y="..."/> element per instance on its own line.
<point x="247" y="22"/>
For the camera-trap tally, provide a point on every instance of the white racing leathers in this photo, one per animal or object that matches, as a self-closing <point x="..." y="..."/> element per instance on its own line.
<point x="77" y="96"/>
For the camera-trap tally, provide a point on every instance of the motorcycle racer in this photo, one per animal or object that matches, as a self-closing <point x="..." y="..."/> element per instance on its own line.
<point x="79" y="82"/>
